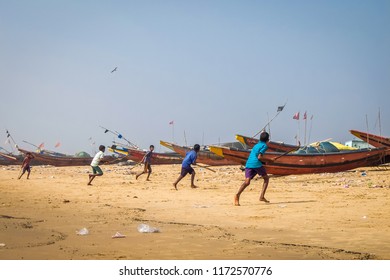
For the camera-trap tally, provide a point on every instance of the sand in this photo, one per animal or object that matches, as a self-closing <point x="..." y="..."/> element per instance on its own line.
<point x="311" y="217"/>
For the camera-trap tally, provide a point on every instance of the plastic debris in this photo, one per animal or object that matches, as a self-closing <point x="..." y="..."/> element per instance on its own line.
<point x="364" y="173"/>
<point x="118" y="235"/>
<point x="82" y="231"/>
<point x="144" y="228"/>
<point x="200" y="206"/>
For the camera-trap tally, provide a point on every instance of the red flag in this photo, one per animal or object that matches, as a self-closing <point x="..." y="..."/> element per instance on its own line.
<point x="57" y="145"/>
<point x="296" y="116"/>
<point x="304" y="116"/>
<point x="41" y="145"/>
<point x="171" y="122"/>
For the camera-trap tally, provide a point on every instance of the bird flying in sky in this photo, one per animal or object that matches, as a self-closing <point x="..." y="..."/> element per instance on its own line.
<point x="114" y="69"/>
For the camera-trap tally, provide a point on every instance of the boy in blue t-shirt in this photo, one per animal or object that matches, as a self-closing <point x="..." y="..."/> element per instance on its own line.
<point x="186" y="167"/>
<point x="253" y="167"/>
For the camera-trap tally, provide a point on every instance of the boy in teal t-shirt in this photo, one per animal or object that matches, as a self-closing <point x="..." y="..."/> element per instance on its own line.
<point x="254" y="167"/>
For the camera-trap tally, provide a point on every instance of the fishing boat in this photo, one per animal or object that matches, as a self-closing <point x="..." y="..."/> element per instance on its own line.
<point x="45" y="159"/>
<point x="295" y="163"/>
<point x="10" y="159"/>
<point x="204" y="155"/>
<point x="272" y="145"/>
<point x="137" y="155"/>
<point x="372" y="139"/>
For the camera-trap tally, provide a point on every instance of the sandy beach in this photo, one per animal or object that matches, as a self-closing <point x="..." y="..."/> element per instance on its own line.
<point x="320" y="216"/>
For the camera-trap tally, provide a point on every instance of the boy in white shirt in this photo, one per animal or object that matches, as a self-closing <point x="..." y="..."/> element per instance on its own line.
<point x="95" y="164"/>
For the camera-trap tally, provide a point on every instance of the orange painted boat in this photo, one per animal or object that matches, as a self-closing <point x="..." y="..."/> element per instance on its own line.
<point x="204" y="156"/>
<point x="294" y="164"/>
<point x="137" y="155"/>
<point x="272" y="145"/>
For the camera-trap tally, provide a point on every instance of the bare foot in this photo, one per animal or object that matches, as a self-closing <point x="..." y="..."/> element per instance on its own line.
<point x="89" y="184"/>
<point x="236" y="200"/>
<point x="194" y="187"/>
<point x="264" y="200"/>
<point x="136" y="177"/>
<point x="175" y="186"/>
<point x="147" y="179"/>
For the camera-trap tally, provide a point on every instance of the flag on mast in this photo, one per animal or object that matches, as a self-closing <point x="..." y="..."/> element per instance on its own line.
<point x="296" y="116"/>
<point x="280" y="108"/>
<point x="171" y="122"/>
<point x="305" y="116"/>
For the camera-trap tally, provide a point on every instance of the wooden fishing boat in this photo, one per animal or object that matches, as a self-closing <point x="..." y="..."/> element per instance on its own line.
<point x="294" y="164"/>
<point x="44" y="159"/>
<point x="204" y="156"/>
<point x="272" y="146"/>
<point x="10" y="159"/>
<point x="372" y="139"/>
<point x="137" y="155"/>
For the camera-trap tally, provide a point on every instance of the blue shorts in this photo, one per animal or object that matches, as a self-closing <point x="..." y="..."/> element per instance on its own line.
<point x="186" y="170"/>
<point x="97" y="170"/>
<point x="252" y="172"/>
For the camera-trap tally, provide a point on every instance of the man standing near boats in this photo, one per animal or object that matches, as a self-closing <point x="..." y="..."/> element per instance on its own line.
<point x="254" y="167"/>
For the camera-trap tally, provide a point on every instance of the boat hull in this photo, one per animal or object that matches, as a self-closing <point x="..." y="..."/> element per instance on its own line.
<point x="138" y="155"/>
<point x="44" y="159"/>
<point x="290" y="164"/>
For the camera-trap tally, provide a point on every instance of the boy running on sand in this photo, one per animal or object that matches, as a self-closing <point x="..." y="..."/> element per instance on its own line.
<point x="26" y="165"/>
<point x="97" y="171"/>
<point x="147" y="159"/>
<point x="253" y="167"/>
<point x="186" y="167"/>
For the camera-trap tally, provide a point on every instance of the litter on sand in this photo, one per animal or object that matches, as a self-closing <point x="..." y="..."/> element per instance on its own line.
<point x="82" y="231"/>
<point x="144" y="228"/>
<point x="118" y="235"/>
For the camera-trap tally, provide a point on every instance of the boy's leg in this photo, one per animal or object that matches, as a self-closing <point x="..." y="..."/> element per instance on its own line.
<point x="139" y="174"/>
<point x="143" y="172"/>
<point x="177" y="181"/>
<point x="192" y="180"/>
<point x="265" y="186"/>
<point x="149" y="172"/>
<point x="91" y="177"/>
<point x="246" y="183"/>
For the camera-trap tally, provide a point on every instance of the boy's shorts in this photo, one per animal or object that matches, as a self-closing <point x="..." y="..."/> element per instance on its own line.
<point x="186" y="170"/>
<point x="97" y="170"/>
<point x="252" y="172"/>
<point x="26" y="168"/>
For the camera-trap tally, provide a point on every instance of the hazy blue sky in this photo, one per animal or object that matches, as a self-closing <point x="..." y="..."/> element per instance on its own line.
<point x="215" y="68"/>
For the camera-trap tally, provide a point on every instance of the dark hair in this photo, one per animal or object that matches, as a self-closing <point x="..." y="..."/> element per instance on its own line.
<point x="151" y="146"/>
<point x="264" y="136"/>
<point x="196" y="147"/>
<point x="102" y="148"/>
